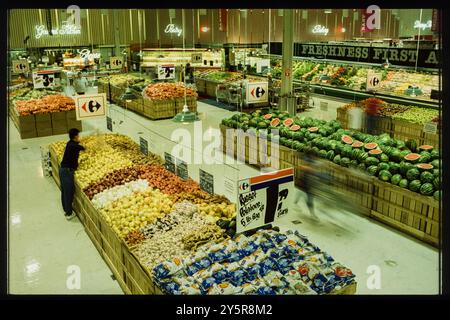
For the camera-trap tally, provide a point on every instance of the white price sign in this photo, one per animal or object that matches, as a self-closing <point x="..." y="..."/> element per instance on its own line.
<point x="264" y="199"/>
<point x="262" y="64"/>
<point x="91" y="106"/>
<point x="257" y="92"/>
<point x="166" y="72"/>
<point x="196" y="58"/>
<point x="43" y="80"/>
<point x="430" y="127"/>
<point x="373" y="81"/>
<point x="20" y="66"/>
<point x="116" y="62"/>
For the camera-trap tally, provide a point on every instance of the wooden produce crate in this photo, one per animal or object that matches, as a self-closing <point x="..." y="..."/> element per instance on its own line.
<point x="43" y="124"/>
<point x="431" y="139"/>
<point x="59" y="123"/>
<point x="138" y="273"/>
<point x="156" y="110"/>
<point x="190" y="101"/>
<point x="211" y="88"/>
<point x="404" y="130"/>
<point x="407" y="211"/>
<point x="26" y="125"/>
<point x="342" y="117"/>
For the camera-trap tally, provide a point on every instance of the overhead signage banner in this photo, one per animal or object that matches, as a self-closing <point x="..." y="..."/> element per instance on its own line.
<point x="426" y="58"/>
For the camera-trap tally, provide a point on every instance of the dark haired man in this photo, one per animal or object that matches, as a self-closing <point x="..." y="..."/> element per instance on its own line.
<point x="67" y="169"/>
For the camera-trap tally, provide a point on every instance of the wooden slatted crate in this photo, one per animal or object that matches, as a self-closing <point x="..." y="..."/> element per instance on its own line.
<point x="156" y="110"/>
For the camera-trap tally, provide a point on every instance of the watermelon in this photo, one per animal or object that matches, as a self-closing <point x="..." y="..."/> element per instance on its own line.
<point x="395" y="155"/>
<point x="315" y="151"/>
<point x="411" y="144"/>
<point x="362" y="167"/>
<point x="384" y="158"/>
<point x="253" y="123"/>
<point x="362" y="157"/>
<point x="330" y="155"/>
<point x="337" y="159"/>
<point x="427" y="189"/>
<point x="412" y="174"/>
<point x="347" y="151"/>
<point x="323" y="153"/>
<point x="426" y="147"/>
<point x="262" y="125"/>
<point x="299" y="146"/>
<point x="436" y="183"/>
<point x="313" y="129"/>
<point x="372" y="170"/>
<point x="275" y="122"/>
<point x="404" y="183"/>
<point x="404" y="167"/>
<point x="434" y="154"/>
<point x="424" y="166"/>
<point x="396" y="178"/>
<point x="370" y="146"/>
<point x="436" y="173"/>
<point x="357" y="144"/>
<point x="415" y="185"/>
<point x="298" y="136"/>
<point x="268" y="116"/>
<point x="353" y="164"/>
<point x="288" y="122"/>
<point x="375" y="152"/>
<point x="412" y="157"/>
<point x="425" y="157"/>
<point x="426" y="177"/>
<point x="383" y="166"/>
<point x="347" y="139"/>
<point x="437" y="195"/>
<point x="289" y="143"/>
<point x="394" y="167"/>
<point x="384" y="175"/>
<point x="400" y="144"/>
<point x="436" y="164"/>
<point x="345" y="162"/>
<point x="295" y="127"/>
<point x="371" y="161"/>
<point x="355" y="154"/>
<point x="290" y="134"/>
<point x="404" y="153"/>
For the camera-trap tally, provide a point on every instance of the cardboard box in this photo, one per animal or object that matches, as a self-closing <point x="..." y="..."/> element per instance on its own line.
<point x="74" y="124"/>
<point x="60" y="130"/>
<point x="43" y="125"/>
<point x="28" y="134"/>
<point x="27" y="123"/>
<point x="71" y="115"/>
<point x="43" y="117"/>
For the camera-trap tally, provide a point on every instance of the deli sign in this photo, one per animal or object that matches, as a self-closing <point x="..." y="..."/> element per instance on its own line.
<point x="427" y="58"/>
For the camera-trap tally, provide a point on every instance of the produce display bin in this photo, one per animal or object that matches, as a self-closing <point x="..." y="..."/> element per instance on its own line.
<point x="59" y="123"/>
<point x="211" y="88"/>
<point x="201" y="85"/>
<point x="156" y="110"/>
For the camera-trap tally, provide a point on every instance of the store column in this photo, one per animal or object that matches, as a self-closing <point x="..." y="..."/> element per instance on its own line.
<point x="288" y="51"/>
<point x="117" y="52"/>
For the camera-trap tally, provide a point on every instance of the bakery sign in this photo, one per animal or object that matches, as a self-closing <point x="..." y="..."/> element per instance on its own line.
<point x="426" y="58"/>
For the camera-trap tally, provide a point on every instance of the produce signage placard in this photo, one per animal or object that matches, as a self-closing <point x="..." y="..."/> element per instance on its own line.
<point x="91" y="106"/>
<point x="257" y="92"/>
<point x="20" y="66"/>
<point x="206" y="181"/>
<point x="263" y="199"/>
<point x="166" y="72"/>
<point x="116" y="62"/>
<point x="373" y="81"/>
<point x="427" y="58"/>
<point x="43" y="80"/>
<point x="109" y="124"/>
<point x="169" y="162"/>
<point x="143" y="143"/>
<point x="182" y="169"/>
<point x="430" y="127"/>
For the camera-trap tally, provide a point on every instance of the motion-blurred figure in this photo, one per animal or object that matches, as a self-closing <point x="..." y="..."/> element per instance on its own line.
<point x="306" y="182"/>
<point x="372" y="108"/>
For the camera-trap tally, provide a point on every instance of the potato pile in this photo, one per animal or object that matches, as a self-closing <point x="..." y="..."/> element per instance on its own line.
<point x="158" y="177"/>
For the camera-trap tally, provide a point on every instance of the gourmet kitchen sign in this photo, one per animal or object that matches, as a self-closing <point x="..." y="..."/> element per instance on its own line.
<point x="66" y="29"/>
<point x="427" y="58"/>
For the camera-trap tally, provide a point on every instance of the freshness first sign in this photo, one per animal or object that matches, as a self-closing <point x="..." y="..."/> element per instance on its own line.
<point x="263" y="199"/>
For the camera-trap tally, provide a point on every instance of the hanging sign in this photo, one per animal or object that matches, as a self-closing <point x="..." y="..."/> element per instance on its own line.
<point x="116" y="62"/>
<point x="263" y="199"/>
<point x="182" y="169"/>
<point x="423" y="26"/>
<point x="318" y="29"/>
<point x="196" y="58"/>
<point x="166" y="72"/>
<point x="86" y="54"/>
<point x="257" y="92"/>
<point x="171" y="28"/>
<point x="66" y="29"/>
<point x="430" y="127"/>
<point x="91" y="106"/>
<point x="20" y="66"/>
<point x="169" y="162"/>
<point x="109" y="124"/>
<point x="206" y="181"/>
<point x="373" y="81"/>
<point x="43" y="80"/>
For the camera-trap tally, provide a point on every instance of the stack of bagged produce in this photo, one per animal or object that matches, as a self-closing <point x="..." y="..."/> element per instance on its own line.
<point x="180" y="233"/>
<point x="402" y="163"/>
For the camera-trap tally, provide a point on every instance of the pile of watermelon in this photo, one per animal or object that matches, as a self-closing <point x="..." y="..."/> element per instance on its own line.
<point x="401" y="163"/>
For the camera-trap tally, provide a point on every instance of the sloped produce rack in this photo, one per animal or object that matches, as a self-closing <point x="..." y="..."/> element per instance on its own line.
<point x="409" y="212"/>
<point x="132" y="276"/>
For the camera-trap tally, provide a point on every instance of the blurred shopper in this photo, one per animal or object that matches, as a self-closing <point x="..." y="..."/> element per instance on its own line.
<point x="189" y="73"/>
<point x="80" y="84"/>
<point x="67" y="169"/>
<point x="356" y="115"/>
<point x="372" y="108"/>
<point x="307" y="181"/>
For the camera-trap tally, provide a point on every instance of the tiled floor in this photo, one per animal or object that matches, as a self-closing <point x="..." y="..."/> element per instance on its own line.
<point x="43" y="245"/>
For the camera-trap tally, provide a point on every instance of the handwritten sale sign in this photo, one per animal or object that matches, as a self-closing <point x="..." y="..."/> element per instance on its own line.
<point x="263" y="199"/>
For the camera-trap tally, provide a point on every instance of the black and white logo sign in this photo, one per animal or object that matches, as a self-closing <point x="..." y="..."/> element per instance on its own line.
<point x="166" y="72"/>
<point x="116" y="62"/>
<point x="373" y="81"/>
<point x="46" y="80"/>
<point x="257" y="92"/>
<point x="91" y="106"/>
<point x="20" y="66"/>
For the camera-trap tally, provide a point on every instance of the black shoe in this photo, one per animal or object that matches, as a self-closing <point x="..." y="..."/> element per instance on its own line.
<point x="70" y="216"/>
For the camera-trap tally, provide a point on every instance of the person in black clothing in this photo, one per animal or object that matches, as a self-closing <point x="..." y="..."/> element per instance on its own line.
<point x="189" y="73"/>
<point x="67" y="169"/>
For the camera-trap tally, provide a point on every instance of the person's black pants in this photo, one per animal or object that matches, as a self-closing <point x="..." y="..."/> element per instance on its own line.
<point x="67" y="188"/>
